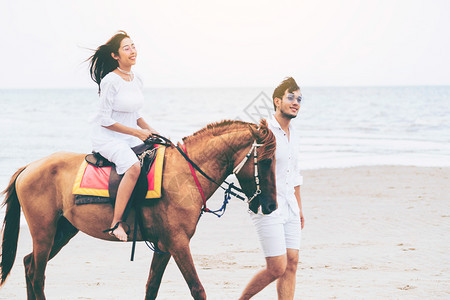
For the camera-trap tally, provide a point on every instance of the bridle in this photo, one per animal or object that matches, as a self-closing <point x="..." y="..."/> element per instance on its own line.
<point x="158" y="139"/>
<point x="236" y="170"/>
<point x="239" y="167"/>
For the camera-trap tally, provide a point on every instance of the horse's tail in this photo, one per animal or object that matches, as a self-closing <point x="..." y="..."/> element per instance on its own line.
<point x="10" y="229"/>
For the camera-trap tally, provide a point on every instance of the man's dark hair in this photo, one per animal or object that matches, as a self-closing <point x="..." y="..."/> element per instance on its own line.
<point x="287" y="84"/>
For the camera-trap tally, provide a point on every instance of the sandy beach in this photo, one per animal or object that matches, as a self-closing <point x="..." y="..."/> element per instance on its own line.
<point x="370" y="233"/>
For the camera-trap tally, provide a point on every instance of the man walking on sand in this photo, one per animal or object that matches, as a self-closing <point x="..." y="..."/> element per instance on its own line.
<point x="280" y="232"/>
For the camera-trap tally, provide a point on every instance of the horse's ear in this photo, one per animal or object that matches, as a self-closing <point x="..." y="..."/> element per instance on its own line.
<point x="261" y="132"/>
<point x="263" y="123"/>
<point x="254" y="130"/>
<point x="263" y="129"/>
<point x="263" y="135"/>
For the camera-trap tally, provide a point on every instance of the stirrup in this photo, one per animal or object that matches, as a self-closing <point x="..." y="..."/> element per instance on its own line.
<point x="111" y="230"/>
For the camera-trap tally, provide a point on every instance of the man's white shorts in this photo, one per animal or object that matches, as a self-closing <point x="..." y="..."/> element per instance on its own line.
<point x="278" y="232"/>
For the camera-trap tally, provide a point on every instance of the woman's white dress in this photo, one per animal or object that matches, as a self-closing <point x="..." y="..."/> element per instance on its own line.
<point x="120" y="102"/>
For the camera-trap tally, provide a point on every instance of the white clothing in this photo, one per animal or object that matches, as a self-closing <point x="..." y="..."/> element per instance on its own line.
<point x="120" y="102"/>
<point x="120" y="154"/>
<point x="286" y="218"/>
<point x="287" y="170"/>
<point x="277" y="234"/>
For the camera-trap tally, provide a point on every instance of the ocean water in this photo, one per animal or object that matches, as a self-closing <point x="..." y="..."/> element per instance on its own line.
<point x="338" y="126"/>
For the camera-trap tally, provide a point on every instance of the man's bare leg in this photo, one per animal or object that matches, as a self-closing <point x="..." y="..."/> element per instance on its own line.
<point x="276" y="267"/>
<point x="286" y="283"/>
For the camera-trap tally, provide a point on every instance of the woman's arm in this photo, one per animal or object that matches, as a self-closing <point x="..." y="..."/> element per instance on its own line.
<point x="142" y="134"/>
<point x="141" y="123"/>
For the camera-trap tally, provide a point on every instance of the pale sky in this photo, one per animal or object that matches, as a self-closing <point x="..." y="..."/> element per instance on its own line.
<point x="209" y="43"/>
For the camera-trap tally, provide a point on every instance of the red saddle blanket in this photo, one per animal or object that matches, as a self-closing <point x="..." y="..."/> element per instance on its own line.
<point x="94" y="181"/>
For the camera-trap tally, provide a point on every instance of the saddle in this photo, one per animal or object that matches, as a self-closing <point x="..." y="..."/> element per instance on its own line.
<point x="97" y="160"/>
<point x="97" y="180"/>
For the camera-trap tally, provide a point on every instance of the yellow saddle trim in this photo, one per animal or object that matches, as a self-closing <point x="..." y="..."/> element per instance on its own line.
<point x="78" y="190"/>
<point x="158" y="163"/>
<point x="151" y="194"/>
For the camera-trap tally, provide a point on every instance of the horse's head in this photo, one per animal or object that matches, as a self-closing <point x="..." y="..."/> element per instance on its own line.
<point x="258" y="180"/>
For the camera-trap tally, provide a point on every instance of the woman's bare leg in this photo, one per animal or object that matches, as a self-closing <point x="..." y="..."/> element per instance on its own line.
<point x="124" y="191"/>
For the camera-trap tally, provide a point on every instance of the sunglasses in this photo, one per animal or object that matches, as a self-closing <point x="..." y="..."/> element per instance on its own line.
<point x="291" y="97"/>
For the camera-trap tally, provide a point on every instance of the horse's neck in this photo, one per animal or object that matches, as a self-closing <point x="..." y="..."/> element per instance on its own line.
<point x="215" y="156"/>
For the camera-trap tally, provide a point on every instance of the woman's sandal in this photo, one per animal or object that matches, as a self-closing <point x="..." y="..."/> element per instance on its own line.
<point x="111" y="230"/>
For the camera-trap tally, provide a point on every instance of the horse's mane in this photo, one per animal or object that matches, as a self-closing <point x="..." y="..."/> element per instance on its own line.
<point x="260" y="133"/>
<point x="267" y="138"/>
<point x="218" y="128"/>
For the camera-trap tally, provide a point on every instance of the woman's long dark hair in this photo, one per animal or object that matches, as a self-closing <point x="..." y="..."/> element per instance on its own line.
<point x="102" y="63"/>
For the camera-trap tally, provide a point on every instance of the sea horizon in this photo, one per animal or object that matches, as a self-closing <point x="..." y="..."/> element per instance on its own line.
<point x="338" y="126"/>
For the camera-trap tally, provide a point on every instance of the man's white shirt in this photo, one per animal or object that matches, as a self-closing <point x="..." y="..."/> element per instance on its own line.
<point x="287" y="170"/>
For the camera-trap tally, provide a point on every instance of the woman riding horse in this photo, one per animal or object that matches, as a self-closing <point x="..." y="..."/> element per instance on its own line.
<point x="118" y="125"/>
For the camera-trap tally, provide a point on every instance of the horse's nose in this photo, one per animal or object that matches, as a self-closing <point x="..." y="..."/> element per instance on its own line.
<point x="269" y="206"/>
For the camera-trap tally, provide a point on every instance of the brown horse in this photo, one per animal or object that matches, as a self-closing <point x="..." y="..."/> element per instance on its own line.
<point x="44" y="191"/>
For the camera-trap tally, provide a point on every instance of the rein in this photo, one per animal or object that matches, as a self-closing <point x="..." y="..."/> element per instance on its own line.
<point x="237" y="169"/>
<point x="161" y="140"/>
<point x="196" y="167"/>
<point x="228" y="191"/>
<point x="197" y="182"/>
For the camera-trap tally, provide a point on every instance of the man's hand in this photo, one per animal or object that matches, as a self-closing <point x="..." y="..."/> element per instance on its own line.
<point x="302" y="219"/>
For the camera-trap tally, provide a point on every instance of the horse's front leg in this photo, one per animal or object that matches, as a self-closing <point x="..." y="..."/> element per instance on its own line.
<point x="159" y="263"/>
<point x="182" y="256"/>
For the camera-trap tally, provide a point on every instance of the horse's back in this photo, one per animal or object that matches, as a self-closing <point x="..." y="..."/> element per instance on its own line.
<point x="49" y="176"/>
<point x="50" y="166"/>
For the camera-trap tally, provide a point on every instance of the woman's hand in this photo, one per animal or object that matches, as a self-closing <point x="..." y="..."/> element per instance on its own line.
<point x="143" y="134"/>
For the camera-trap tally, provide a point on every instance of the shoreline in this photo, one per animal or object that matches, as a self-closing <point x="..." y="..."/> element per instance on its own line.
<point x="370" y="230"/>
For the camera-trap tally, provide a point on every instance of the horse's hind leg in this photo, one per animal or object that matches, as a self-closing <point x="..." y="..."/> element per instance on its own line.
<point x="64" y="232"/>
<point x="27" y="263"/>
<point x="159" y="263"/>
<point x="36" y="262"/>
